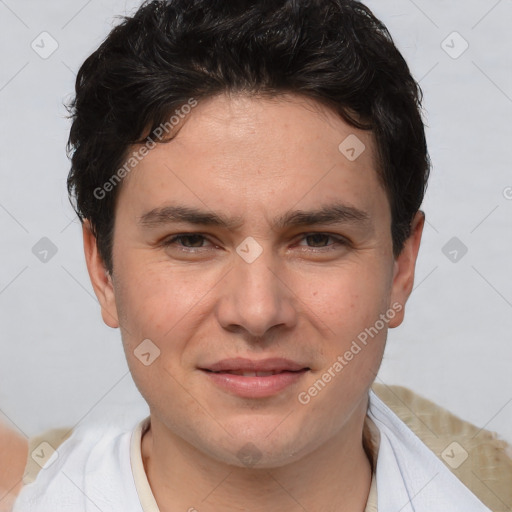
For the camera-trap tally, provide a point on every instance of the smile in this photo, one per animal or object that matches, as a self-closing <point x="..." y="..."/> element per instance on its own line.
<point x="254" y="379"/>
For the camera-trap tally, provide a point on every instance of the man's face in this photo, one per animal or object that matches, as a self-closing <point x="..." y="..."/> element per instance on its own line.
<point x="226" y="300"/>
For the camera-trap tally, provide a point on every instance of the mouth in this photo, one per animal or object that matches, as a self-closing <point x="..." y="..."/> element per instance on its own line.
<point x="255" y="379"/>
<point x="244" y="373"/>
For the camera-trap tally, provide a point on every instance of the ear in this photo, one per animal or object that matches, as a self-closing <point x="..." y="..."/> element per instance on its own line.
<point x="404" y="266"/>
<point x="101" y="281"/>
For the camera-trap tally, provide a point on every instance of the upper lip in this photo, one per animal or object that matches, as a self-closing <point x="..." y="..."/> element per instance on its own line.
<point x="263" y="365"/>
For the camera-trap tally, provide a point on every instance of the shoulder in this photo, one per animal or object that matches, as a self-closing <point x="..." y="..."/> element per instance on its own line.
<point x="477" y="457"/>
<point x="22" y="460"/>
<point x="14" y="449"/>
<point x="95" y="454"/>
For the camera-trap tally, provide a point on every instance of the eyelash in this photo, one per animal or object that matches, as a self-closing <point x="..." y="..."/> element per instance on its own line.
<point x="172" y="241"/>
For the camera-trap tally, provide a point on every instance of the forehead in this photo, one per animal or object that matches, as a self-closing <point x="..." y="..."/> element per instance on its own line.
<point x="244" y="153"/>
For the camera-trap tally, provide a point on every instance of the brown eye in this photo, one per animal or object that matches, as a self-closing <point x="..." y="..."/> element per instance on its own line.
<point x="321" y="240"/>
<point x="318" y="240"/>
<point x="192" y="240"/>
<point x="186" y="241"/>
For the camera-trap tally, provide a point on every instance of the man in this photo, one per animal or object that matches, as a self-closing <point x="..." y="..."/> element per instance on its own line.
<point x="249" y="177"/>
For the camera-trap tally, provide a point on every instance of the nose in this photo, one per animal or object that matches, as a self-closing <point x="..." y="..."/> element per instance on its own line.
<point x="256" y="298"/>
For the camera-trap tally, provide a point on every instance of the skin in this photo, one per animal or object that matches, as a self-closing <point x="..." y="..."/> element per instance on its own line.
<point x="14" y="450"/>
<point x="303" y="298"/>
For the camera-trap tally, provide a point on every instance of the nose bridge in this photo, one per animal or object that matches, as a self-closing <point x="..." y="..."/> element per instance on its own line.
<point x="254" y="297"/>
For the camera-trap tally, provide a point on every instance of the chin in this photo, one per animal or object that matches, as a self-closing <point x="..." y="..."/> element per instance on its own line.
<point x="254" y="444"/>
<point x="254" y="456"/>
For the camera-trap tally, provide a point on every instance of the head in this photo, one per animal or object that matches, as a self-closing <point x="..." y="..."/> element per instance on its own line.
<point x="249" y="176"/>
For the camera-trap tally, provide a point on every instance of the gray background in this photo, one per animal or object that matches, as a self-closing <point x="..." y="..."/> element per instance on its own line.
<point x="60" y="364"/>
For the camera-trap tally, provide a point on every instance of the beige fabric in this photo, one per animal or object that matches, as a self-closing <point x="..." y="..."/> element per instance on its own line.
<point x="147" y="500"/>
<point x="371" y="504"/>
<point x="487" y="471"/>
<point x="54" y="437"/>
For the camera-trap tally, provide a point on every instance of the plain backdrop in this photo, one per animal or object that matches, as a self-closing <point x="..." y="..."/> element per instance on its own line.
<point x="60" y="364"/>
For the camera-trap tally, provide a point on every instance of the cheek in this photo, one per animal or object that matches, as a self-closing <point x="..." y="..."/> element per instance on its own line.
<point x="349" y="299"/>
<point x="166" y="306"/>
<point x="150" y="308"/>
<point x="153" y="301"/>
<point x="349" y="305"/>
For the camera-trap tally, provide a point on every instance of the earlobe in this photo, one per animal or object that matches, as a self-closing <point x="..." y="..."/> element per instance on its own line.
<point x="404" y="268"/>
<point x="100" y="279"/>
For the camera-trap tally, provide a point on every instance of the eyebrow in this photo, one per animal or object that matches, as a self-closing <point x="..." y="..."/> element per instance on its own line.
<point x="336" y="213"/>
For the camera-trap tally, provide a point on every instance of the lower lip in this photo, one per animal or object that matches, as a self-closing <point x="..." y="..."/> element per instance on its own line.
<point x="255" y="387"/>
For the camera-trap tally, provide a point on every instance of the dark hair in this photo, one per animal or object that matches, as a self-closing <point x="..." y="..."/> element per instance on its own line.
<point x="333" y="51"/>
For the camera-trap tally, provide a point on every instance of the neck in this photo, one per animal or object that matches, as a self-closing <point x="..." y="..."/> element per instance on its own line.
<point x="336" y="477"/>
